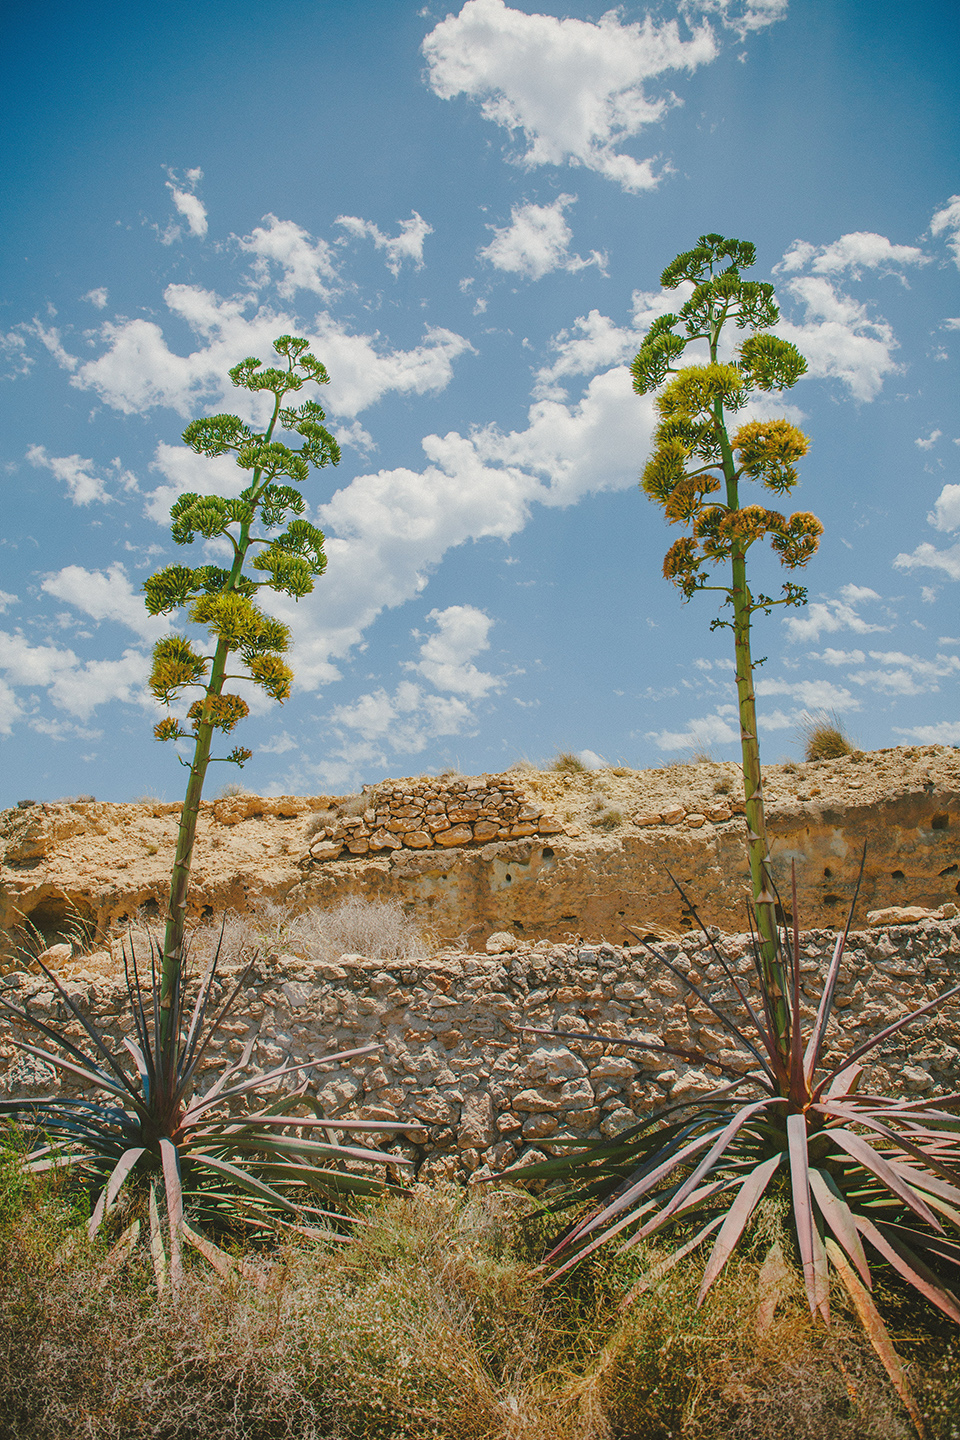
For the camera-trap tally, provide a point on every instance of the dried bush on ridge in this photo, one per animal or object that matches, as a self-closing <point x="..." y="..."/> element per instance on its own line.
<point x="824" y="737"/>
<point x="376" y="929"/>
<point x="566" y="763"/>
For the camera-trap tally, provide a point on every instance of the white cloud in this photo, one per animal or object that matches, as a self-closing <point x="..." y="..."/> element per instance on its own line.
<point x="708" y="730"/>
<point x="386" y="531"/>
<point x="838" y="337"/>
<point x="927" y="556"/>
<point x="83" y="486"/>
<point x="855" y="252"/>
<point x="188" y="204"/>
<point x="832" y="615"/>
<point x="404" y="722"/>
<point x="575" y="89"/>
<point x="741" y="18"/>
<point x="73" y="685"/>
<point x="106" y="595"/>
<point x="839" y="657"/>
<point x="10" y="708"/>
<point x="947" y="222"/>
<point x="50" y="338"/>
<point x="946" y="733"/>
<point x="13" y="348"/>
<point x="945" y="516"/>
<point x="279" y="745"/>
<point x="930" y="441"/>
<point x="97" y="297"/>
<point x="306" y="264"/>
<point x="407" y="245"/>
<point x="591" y="759"/>
<point x="445" y="658"/>
<point x="536" y="241"/>
<point x="596" y="342"/>
<point x="138" y="370"/>
<point x="901" y="674"/>
<point x="6" y="600"/>
<point x="810" y="695"/>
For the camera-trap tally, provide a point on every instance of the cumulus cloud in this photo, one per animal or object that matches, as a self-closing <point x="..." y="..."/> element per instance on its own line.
<point x="97" y="297"/>
<point x="305" y="264"/>
<point x="576" y="90"/>
<point x="810" y="695"/>
<point x="138" y="370"/>
<point x="947" y="222"/>
<point x="839" y="338"/>
<point x="900" y="674"/>
<point x="715" y="729"/>
<point x="189" y="205"/>
<point x="75" y="686"/>
<point x="831" y="615"/>
<point x="446" y="657"/>
<point x="13" y="350"/>
<point x="77" y="474"/>
<point x="946" y="733"/>
<point x="944" y="516"/>
<point x="861" y="250"/>
<point x="386" y="531"/>
<point x="929" y="442"/>
<point x="536" y="241"/>
<point x="743" y="18"/>
<point x="106" y="595"/>
<point x="407" y="245"/>
<point x="403" y="722"/>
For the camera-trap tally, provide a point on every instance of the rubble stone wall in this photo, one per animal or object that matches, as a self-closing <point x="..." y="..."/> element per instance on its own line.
<point x="455" y="1058"/>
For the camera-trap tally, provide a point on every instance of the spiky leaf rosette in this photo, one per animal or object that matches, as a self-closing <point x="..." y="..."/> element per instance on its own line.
<point x="865" y="1177"/>
<point x="214" y="1151"/>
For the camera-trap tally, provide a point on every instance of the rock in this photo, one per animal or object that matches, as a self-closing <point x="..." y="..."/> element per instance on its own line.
<point x="899" y="915"/>
<point x="477" y="1124"/>
<point x="538" y="1127"/>
<point x="28" y="1078"/>
<point x="501" y="943"/>
<point x="646" y="820"/>
<point x="456" y="835"/>
<point x="694" y="821"/>
<point x="555" y="1063"/>
<point x="56" y="955"/>
<point x="417" y="839"/>
<point x="915" y="1078"/>
<point x="535" y="1102"/>
<point x="337" y="1092"/>
<point x="674" y="815"/>
<point x="549" y="826"/>
<point x="326" y="850"/>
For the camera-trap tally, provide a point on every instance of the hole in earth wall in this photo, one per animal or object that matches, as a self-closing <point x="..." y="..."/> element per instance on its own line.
<point x="940" y="822"/>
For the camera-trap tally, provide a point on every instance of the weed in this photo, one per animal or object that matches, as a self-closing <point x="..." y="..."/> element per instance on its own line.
<point x="565" y="762"/>
<point x="231" y="791"/>
<point x="607" y="819"/>
<point x="824" y="737"/>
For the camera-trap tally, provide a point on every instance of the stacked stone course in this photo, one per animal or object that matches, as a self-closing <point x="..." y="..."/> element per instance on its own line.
<point x="426" y="814"/>
<point x="456" y="1060"/>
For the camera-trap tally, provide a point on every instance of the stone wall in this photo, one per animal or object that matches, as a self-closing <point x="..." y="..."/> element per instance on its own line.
<point x="426" y="814"/>
<point x="455" y="1059"/>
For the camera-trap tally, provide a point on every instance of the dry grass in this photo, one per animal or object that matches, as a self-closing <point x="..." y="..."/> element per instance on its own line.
<point x="824" y="737"/>
<point x="566" y="763"/>
<point x="377" y="929"/>
<point x="431" y="1325"/>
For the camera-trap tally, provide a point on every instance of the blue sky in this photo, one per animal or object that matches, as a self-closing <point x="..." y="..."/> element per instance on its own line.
<point x="467" y="213"/>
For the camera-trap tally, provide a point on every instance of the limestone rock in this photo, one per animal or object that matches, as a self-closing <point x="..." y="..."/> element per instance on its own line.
<point x="501" y="942"/>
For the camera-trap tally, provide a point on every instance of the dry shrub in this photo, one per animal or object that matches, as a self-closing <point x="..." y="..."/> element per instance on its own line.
<point x="566" y="763"/>
<point x="377" y="929"/>
<point x="607" y="819"/>
<point x="824" y="737"/>
<point x="430" y="1325"/>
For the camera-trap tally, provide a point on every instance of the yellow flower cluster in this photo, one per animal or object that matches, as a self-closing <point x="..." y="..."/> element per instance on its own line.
<point x="223" y="712"/>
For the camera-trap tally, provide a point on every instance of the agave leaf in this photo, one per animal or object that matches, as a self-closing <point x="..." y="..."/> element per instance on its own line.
<point x="692" y="1057"/>
<point x="244" y="1179"/>
<point x="844" y="1082"/>
<point x="157" y="1252"/>
<point x="174" y="1189"/>
<point x="861" y="1117"/>
<point x="836" y="1212"/>
<point x="913" y="1269"/>
<point x="112" y="1188"/>
<point x="812" y="1053"/>
<point x="62" y="1040"/>
<point x="291" y="1145"/>
<point x="882" y="1035"/>
<point x="662" y="1267"/>
<point x="890" y="1175"/>
<point x="320" y="1123"/>
<point x="196" y="1047"/>
<point x="92" y="1077"/>
<point x="736" y="1219"/>
<point x="802" y="1207"/>
<point x="773" y="1284"/>
<point x="708" y="1161"/>
<point x="876" y="1331"/>
<point x="220" y="1261"/>
<point x="694" y="1202"/>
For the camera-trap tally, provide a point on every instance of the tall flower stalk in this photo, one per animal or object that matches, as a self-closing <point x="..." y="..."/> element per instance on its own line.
<point x="695" y="473"/>
<point x="264" y="526"/>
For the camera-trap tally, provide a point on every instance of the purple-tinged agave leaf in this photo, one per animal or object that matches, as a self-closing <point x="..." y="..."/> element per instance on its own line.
<point x="78" y="1015"/>
<point x="876" y="1331"/>
<point x="291" y="1145"/>
<point x="845" y="1082"/>
<point x="914" y="1270"/>
<point x="196" y="1048"/>
<point x="112" y="1188"/>
<point x="243" y="1178"/>
<point x="857" y="1115"/>
<point x="313" y="1122"/>
<point x="157" y="1253"/>
<point x="662" y="1267"/>
<point x="220" y="1261"/>
<point x="23" y="1017"/>
<point x="890" y="1175"/>
<point x="812" y="1053"/>
<point x="927" y="1183"/>
<point x="802" y="1206"/>
<point x="695" y="1201"/>
<point x="736" y="1219"/>
<point x="836" y="1212"/>
<point x="174" y="1194"/>
<point x="713" y="1154"/>
<point x="93" y="1077"/>
<point x="882" y="1035"/>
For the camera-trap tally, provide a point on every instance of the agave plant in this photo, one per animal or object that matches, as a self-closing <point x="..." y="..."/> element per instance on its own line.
<point x="865" y="1175"/>
<point x="160" y="1122"/>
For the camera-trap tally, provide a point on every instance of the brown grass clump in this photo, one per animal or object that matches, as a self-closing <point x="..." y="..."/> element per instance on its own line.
<point x="824" y="737"/>
<point x="432" y="1326"/>
<point x="566" y="763"/>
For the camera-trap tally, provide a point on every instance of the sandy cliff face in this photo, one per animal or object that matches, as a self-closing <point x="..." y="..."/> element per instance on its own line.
<point x="572" y="854"/>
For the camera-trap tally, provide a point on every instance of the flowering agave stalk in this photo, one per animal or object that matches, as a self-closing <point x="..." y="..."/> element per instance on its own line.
<point x="865" y="1175"/>
<point x="695" y="472"/>
<point x="153" y="1125"/>
<point x="288" y="559"/>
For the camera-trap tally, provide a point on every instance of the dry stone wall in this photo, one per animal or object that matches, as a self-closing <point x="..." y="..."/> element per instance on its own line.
<point x="426" y="814"/>
<point x="455" y="1059"/>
